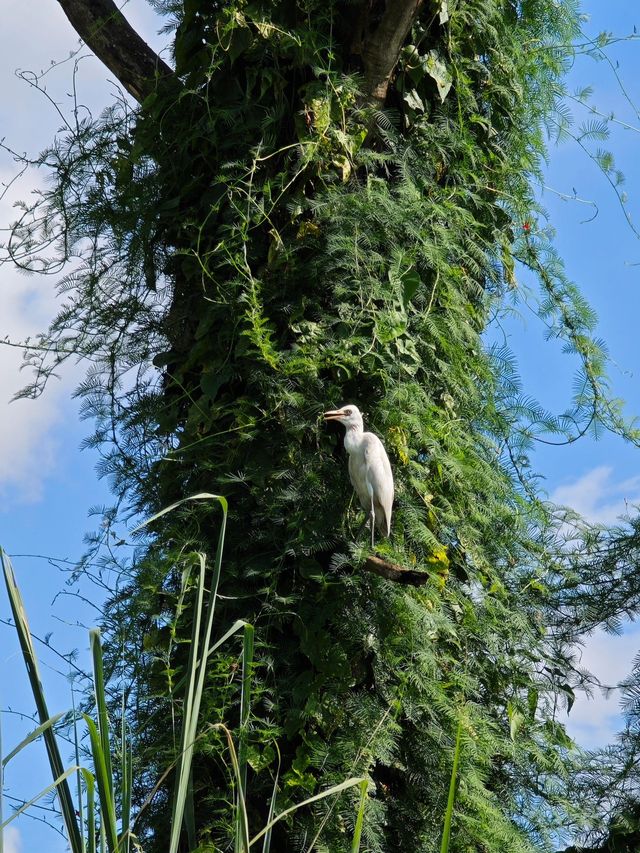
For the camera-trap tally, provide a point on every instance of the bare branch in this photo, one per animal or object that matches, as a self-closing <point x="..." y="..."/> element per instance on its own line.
<point x="394" y="572"/>
<point x="107" y="33"/>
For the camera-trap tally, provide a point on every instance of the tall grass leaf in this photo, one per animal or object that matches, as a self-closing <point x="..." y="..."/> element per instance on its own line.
<point x="357" y="833"/>
<point x="52" y="787"/>
<point x="446" y="832"/>
<point x="239" y="623"/>
<point x="190" y="815"/>
<point x="245" y="710"/>
<point x="91" y="813"/>
<point x="202" y="496"/>
<point x="101" y="706"/>
<point x="242" y="805"/>
<point x="126" y="772"/>
<point x="330" y="792"/>
<point x="31" y="662"/>
<point x="107" y="808"/>
<point x="76" y="747"/>
<point x="31" y="737"/>
<point x="186" y="741"/>
<point x="196" y="669"/>
<point x="266" y="844"/>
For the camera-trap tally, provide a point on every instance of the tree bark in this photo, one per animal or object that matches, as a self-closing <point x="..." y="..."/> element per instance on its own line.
<point x="139" y="69"/>
<point x="394" y="572"/>
<point x="381" y="48"/>
<point x="107" y="33"/>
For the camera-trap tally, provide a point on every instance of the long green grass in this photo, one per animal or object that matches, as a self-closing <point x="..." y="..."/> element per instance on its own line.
<point x="451" y="799"/>
<point x="106" y="823"/>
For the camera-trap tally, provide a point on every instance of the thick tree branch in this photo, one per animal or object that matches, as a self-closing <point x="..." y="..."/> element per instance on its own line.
<point x="381" y="48"/>
<point x="107" y="33"/>
<point x="394" y="572"/>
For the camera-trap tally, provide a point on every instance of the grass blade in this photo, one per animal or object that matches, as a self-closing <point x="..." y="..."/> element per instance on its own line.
<point x="186" y="741"/>
<point x="357" y="833"/>
<point x="242" y="807"/>
<point x="101" y="705"/>
<point x="91" y="813"/>
<point x="190" y="815"/>
<point x="266" y="844"/>
<point x="446" y="832"/>
<point x="126" y="785"/>
<point x="330" y="792"/>
<point x="107" y="808"/>
<point x="31" y="737"/>
<point x="245" y="710"/>
<point x="53" y="786"/>
<point x="31" y="662"/>
<point x="202" y="496"/>
<point x="76" y="746"/>
<point x="196" y="670"/>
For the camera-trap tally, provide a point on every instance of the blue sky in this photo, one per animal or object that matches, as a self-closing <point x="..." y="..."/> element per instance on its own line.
<point x="47" y="485"/>
<point x="599" y="479"/>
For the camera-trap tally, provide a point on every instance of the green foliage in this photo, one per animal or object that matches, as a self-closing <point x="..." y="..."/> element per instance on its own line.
<point x="262" y="242"/>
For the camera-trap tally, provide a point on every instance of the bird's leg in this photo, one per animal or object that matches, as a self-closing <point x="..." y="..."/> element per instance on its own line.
<point x="372" y="521"/>
<point x="361" y="528"/>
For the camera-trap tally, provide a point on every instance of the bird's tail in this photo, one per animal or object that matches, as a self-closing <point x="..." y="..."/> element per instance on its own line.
<point x="383" y="524"/>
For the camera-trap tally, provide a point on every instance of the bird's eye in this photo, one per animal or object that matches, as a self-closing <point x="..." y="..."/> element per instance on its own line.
<point x="347" y="412"/>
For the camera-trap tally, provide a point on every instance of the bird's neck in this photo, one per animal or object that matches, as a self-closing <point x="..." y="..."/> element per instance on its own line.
<point x="353" y="437"/>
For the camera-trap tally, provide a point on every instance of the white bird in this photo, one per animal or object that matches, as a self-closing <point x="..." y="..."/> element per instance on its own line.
<point x="369" y="468"/>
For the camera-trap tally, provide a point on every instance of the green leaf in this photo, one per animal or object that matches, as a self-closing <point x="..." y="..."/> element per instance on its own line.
<point x="516" y="719"/>
<point x="435" y="66"/>
<point x="202" y="496"/>
<point x="532" y="702"/>
<point x="390" y="325"/>
<point x="413" y="100"/>
<point x="411" y="281"/>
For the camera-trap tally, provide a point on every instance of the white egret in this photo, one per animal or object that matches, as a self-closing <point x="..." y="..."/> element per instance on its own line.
<point x="369" y="468"/>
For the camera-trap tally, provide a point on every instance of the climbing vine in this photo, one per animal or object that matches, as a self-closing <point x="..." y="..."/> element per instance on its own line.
<point x="269" y="235"/>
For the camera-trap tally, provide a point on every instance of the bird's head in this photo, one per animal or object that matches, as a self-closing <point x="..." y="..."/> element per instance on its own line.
<point x="350" y="416"/>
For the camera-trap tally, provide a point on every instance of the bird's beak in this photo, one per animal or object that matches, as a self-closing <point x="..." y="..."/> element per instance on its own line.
<point x="334" y="415"/>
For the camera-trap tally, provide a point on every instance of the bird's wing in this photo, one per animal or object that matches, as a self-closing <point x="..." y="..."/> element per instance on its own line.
<point x="357" y="475"/>
<point x="380" y="480"/>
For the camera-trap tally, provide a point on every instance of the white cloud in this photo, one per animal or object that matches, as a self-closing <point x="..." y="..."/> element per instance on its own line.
<point x="27" y="449"/>
<point x="27" y="445"/>
<point x="597" y="497"/>
<point x="32" y="38"/>
<point x="35" y="35"/>
<point x="594" y="720"/>
<point x="12" y="840"/>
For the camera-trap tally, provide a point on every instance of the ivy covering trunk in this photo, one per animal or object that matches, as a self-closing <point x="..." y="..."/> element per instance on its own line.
<point x="324" y="203"/>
